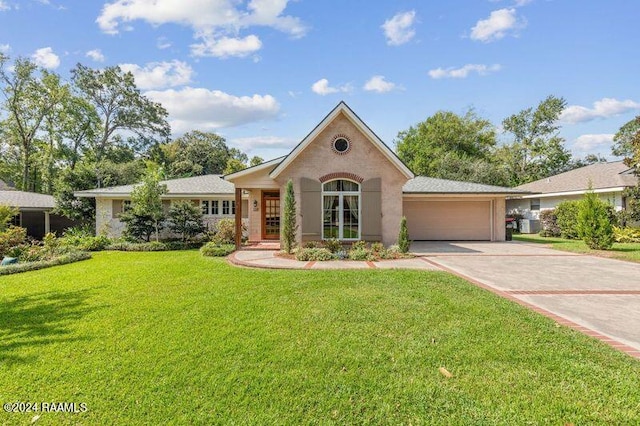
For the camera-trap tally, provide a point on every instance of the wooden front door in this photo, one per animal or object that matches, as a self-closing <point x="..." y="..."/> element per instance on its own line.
<point x="270" y="215"/>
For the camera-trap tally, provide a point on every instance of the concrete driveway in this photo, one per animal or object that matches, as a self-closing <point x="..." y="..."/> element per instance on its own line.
<point x="598" y="296"/>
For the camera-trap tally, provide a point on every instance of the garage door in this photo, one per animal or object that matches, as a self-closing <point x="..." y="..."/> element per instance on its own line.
<point x="448" y="220"/>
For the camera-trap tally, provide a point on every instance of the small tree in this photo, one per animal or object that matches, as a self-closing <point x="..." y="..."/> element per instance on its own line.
<point x="594" y="224"/>
<point x="146" y="201"/>
<point x="185" y="219"/>
<point x="403" y="236"/>
<point x="289" y="225"/>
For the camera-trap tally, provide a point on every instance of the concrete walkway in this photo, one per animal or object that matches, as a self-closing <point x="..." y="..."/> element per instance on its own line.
<point x="596" y="296"/>
<point x="269" y="259"/>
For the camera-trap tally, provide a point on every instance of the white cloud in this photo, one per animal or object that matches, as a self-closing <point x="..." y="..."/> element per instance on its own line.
<point x="605" y="107"/>
<point x="464" y="71"/>
<point x="198" y="108"/>
<point x="226" y="46"/>
<point x="520" y="3"/>
<point x="587" y="143"/>
<point x="321" y="87"/>
<point x="216" y="23"/>
<point x="5" y="48"/>
<point x="160" y="75"/>
<point x="3" y="6"/>
<point x="262" y="142"/>
<point x="96" y="55"/>
<point x="45" y="58"/>
<point x="163" y="43"/>
<point x="497" y="25"/>
<point x="377" y="83"/>
<point x="399" y="29"/>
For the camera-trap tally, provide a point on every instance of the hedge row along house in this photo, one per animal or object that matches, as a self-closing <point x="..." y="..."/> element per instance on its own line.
<point x="348" y="185"/>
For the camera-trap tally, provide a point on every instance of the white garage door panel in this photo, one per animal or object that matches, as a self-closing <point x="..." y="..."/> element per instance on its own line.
<point x="448" y="220"/>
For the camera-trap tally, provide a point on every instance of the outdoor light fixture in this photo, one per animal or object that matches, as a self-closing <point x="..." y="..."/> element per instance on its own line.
<point x="255" y="204"/>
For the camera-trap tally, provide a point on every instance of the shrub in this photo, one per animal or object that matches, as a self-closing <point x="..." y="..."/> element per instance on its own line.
<point x="567" y="219"/>
<point x="626" y="235"/>
<point x="333" y="245"/>
<point x="312" y="244"/>
<point x="86" y="243"/>
<point x="7" y="213"/>
<point x="403" y="236"/>
<point x="11" y="237"/>
<point x="225" y="231"/>
<point x="377" y="247"/>
<point x="359" y="245"/>
<point x="185" y="219"/>
<point x="217" y="250"/>
<point x="183" y="245"/>
<point x="127" y="246"/>
<point x="139" y="226"/>
<point x="317" y="254"/>
<point x="549" y="224"/>
<point x="64" y="259"/>
<point x="360" y="254"/>
<point x="594" y="224"/>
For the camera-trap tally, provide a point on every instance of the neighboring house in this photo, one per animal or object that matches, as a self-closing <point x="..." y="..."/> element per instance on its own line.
<point x="608" y="180"/>
<point x="214" y="195"/>
<point x="348" y="185"/>
<point x="35" y="213"/>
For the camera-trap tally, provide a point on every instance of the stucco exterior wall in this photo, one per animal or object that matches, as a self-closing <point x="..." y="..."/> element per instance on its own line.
<point x="363" y="159"/>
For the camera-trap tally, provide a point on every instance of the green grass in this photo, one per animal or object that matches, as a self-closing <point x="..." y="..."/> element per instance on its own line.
<point x="177" y="338"/>
<point x="622" y="251"/>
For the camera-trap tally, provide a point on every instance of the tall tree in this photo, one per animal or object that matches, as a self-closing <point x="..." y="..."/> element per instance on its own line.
<point x="627" y="144"/>
<point x="121" y="108"/>
<point x="536" y="151"/>
<point x="627" y="141"/>
<point x="447" y="145"/>
<point x="30" y="94"/>
<point x="255" y="160"/>
<point x="195" y="153"/>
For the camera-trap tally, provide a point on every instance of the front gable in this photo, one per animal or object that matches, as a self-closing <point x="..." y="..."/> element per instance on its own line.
<point x="363" y="145"/>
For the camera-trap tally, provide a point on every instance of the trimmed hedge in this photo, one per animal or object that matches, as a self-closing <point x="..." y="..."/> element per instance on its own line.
<point x="125" y="246"/>
<point x="217" y="250"/>
<point x="33" y="266"/>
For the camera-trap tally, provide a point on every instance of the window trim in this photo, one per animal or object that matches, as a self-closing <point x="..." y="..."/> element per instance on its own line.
<point x="341" y="195"/>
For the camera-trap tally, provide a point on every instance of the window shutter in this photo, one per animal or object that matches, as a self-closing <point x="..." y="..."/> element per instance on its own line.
<point x="311" y="209"/>
<point x="116" y="208"/>
<point x="371" y="210"/>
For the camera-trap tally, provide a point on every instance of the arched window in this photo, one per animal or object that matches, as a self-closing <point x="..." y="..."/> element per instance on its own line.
<point x="341" y="210"/>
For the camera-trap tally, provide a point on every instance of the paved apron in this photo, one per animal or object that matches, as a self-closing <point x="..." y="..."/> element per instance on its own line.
<point x="598" y="296"/>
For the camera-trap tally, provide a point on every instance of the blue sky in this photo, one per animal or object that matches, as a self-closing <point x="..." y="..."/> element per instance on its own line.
<point x="263" y="73"/>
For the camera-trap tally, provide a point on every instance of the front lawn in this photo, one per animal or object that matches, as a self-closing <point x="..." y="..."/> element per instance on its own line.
<point x="177" y="338"/>
<point x="622" y="251"/>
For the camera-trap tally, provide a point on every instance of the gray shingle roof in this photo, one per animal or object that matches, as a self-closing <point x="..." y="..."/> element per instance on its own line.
<point x="26" y="200"/>
<point x="207" y="184"/>
<point x="602" y="175"/>
<point x="428" y="185"/>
